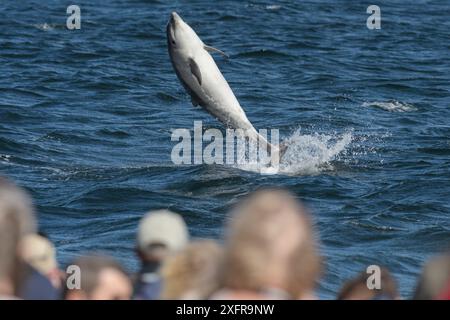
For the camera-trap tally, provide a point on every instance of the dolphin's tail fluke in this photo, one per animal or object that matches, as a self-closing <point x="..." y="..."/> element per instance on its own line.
<point x="282" y="147"/>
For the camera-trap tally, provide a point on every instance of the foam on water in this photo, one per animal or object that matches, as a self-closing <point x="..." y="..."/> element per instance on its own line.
<point x="5" y="158"/>
<point x="392" y="106"/>
<point x="44" y="26"/>
<point x="273" y="7"/>
<point x="306" y="154"/>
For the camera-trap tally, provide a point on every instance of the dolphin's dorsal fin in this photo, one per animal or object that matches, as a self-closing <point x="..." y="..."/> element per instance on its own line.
<point x="195" y="70"/>
<point x="212" y="49"/>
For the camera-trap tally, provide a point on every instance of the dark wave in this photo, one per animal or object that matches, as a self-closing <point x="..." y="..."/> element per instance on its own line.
<point x="262" y="53"/>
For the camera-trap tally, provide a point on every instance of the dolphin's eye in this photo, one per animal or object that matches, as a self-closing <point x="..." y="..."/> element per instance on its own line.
<point x="173" y="42"/>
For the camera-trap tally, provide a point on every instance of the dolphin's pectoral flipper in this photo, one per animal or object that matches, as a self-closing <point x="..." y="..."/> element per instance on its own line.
<point x="195" y="70"/>
<point x="212" y="49"/>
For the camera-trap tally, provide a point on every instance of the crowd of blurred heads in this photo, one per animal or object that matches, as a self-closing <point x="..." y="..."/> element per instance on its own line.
<point x="269" y="251"/>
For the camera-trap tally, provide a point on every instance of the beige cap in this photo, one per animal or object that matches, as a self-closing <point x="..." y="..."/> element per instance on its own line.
<point x="162" y="227"/>
<point x="39" y="252"/>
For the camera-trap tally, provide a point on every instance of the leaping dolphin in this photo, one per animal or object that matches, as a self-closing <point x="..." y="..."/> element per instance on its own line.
<point x="202" y="79"/>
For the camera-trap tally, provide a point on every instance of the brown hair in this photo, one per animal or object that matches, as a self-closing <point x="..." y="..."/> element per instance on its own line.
<point x="358" y="286"/>
<point x="90" y="268"/>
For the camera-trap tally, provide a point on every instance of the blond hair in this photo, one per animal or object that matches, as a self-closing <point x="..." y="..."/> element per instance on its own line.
<point x="192" y="273"/>
<point x="39" y="252"/>
<point x="269" y="237"/>
<point x="16" y="220"/>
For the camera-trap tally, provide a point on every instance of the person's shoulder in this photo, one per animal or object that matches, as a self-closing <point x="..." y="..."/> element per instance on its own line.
<point x="148" y="290"/>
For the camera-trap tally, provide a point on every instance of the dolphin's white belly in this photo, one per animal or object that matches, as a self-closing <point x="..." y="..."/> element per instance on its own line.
<point x="203" y="80"/>
<point x="215" y="92"/>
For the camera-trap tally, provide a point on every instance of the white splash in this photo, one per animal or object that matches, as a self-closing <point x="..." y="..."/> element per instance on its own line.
<point x="391" y="106"/>
<point x="311" y="154"/>
<point x="306" y="154"/>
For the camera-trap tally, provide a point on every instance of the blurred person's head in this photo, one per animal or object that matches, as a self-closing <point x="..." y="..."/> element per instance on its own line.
<point x="16" y="221"/>
<point x="357" y="289"/>
<point x="434" y="279"/>
<point x="192" y="273"/>
<point x="271" y="247"/>
<point x="102" y="278"/>
<point x="39" y="252"/>
<point x="159" y="234"/>
<point x="445" y="294"/>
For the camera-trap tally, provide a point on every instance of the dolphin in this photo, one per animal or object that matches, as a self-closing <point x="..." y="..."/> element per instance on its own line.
<point x="203" y="81"/>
